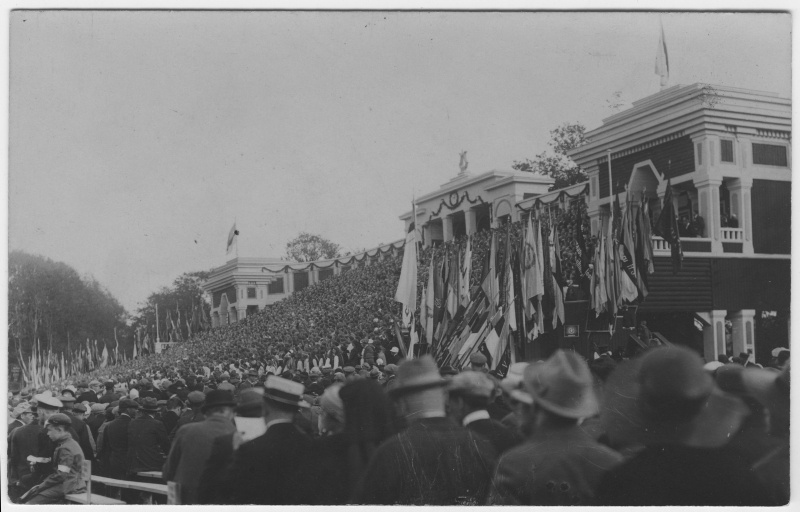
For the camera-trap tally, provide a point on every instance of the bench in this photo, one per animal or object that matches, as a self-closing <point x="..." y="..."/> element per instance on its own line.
<point x="148" y="488"/>
<point x="87" y="498"/>
<point x="157" y="475"/>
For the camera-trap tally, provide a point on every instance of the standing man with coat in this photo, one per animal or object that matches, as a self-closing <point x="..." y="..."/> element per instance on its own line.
<point x="148" y="443"/>
<point x="115" y="440"/>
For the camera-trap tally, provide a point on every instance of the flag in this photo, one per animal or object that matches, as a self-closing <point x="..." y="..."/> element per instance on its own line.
<point x="645" y="232"/>
<point x="667" y="228"/>
<point x="531" y="261"/>
<point x="598" y="286"/>
<point x="453" y="289"/>
<point x="231" y="238"/>
<point x="489" y="284"/>
<point x="558" y="279"/>
<point x="583" y="253"/>
<point x="427" y="324"/>
<point x="406" y="293"/>
<point x="116" y="347"/>
<point x="104" y="360"/>
<point x="662" y="59"/>
<point x="611" y="273"/>
<point x="509" y="298"/>
<point x="466" y="272"/>
<point x="626" y="251"/>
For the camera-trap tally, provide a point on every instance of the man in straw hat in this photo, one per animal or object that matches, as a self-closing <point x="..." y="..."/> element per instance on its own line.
<point x="665" y="402"/>
<point x="268" y="469"/>
<point x="193" y="441"/>
<point x="434" y="461"/>
<point x="559" y="464"/>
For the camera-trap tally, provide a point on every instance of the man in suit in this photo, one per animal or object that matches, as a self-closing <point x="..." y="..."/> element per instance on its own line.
<point x="109" y="395"/>
<point x="148" y="443"/>
<point x="23" y="415"/>
<point x="559" y="464"/>
<point x="193" y="414"/>
<point x="172" y="414"/>
<point x="469" y="396"/>
<point x="115" y="440"/>
<point x="84" y="434"/>
<point x="434" y="461"/>
<point x="193" y="442"/>
<point x="249" y="425"/>
<point x="268" y="469"/>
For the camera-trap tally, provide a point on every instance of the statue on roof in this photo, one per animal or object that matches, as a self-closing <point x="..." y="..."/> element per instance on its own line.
<point x="463" y="163"/>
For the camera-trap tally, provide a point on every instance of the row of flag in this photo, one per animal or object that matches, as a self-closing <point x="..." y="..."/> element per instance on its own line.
<point x="44" y="366"/>
<point x="522" y="287"/>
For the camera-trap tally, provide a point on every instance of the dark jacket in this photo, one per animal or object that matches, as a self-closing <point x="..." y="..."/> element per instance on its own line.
<point x="107" y="398"/>
<point x="94" y="421"/>
<point x="115" y="447"/>
<point x="277" y="457"/>
<point x="22" y="442"/>
<point x="328" y="469"/>
<point x="432" y="462"/>
<point x="554" y="467"/>
<point x="87" y="396"/>
<point x="501" y="437"/>
<point x="83" y="437"/>
<point x="212" y="489"/>
<point x="190" y="451"/>
<point x="148" y="444"/>
<point x="169" y="419"/>
<point x="682" y="476"/>
<point x="188" y="416"/>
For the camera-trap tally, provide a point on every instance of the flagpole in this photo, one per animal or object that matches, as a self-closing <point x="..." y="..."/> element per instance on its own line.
<point x="158" y="336"/>
<point x="610" y="183"/>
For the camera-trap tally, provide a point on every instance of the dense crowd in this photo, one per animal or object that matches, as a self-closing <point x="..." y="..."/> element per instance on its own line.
<point x="309" y="402"/>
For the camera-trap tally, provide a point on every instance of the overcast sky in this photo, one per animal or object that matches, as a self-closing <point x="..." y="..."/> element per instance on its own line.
<point x="136" y="138"/>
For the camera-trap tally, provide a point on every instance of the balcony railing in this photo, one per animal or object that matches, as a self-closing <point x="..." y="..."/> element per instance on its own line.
<point x="688" y="244"/>
<point x="732" y="234"/>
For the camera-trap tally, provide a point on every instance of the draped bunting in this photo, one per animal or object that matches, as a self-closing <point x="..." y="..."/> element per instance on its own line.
<point x="337" y="262"/>
<point x="559" y="198"/>
<point x="454" y="202"/>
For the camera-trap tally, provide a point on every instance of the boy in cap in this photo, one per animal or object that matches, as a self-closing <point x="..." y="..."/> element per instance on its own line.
<point x="470" y="394"/>
<point x="434" y="461"/>
<point x="67" y="461"/>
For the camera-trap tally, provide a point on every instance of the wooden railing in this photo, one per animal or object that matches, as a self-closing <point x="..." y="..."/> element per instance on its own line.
<point x="732" y="234"/>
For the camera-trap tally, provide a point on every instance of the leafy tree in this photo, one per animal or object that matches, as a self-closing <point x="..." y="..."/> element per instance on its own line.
<point x="557" y="164"/>
<point x="180" y="300"/>
<point x="308" y="247"/>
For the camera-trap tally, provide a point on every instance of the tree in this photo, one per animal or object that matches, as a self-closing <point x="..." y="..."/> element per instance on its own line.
<point x="181" y="300"/>
<point x="308" y="247"/>
<point x="557" y="164"/>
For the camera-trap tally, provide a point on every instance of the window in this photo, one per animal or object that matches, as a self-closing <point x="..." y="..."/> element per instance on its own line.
<point x="726" y="150"/>
<point x="275" y="287"/>
<point x="251" y="293"/>
<point x="769" y="154"/>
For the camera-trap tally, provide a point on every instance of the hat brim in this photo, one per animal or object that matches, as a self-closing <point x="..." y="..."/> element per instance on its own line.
<point x="299" y="403"/>
<point x="621" y="415"/>
<point x="207" y="406"/>
<point x="413" y="387"/>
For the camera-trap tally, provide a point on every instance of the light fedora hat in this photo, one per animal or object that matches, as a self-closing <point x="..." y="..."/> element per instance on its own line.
<point x="561" y="385"/>
<point x="417" y="375"/>
<point x="285" y="391"/>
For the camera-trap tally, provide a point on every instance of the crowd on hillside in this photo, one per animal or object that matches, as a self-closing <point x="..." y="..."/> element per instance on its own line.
<point x="311" y="402"/>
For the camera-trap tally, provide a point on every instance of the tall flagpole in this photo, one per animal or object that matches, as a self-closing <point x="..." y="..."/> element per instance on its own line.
<point x="158" y="336"/>
<point x="610" y="183"/>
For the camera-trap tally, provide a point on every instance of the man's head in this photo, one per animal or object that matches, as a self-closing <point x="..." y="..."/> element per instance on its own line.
<point x="478" y="362"/>
<point x="95" y="386"/>
<point x="419" y="389"/>
<point x="47" y="406"/>
<point x="219" y="402"/>
<point x="282" y="398"/>
<point x="469" y="392"/>
<point x="128" y="406"/>
<point x="79" y="411"/>
<point x="175" y="404"/>
<point x="23" y="413"/>
<point x="57" y="427"/>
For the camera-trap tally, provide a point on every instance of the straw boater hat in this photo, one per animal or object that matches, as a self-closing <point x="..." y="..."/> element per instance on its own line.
<point x="284" y="391"/>
<point x="561" y="385"/>
<point x="417" y="375"/>
<point x="666" y="397"/>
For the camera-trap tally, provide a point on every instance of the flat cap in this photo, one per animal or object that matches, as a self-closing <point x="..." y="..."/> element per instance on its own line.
<point x="196" y="397"/>
<point x="127" y="403"/>
<point x="59" y="420"/>
<point x="477" y="358"/>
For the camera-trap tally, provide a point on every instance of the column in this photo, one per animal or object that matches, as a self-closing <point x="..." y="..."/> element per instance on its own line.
<point x="708" y="208"/>
<point x="426" y="235"/>
<point x="714" y="334"/>
<point x="740" y="205"/>
<point x="447" y="228"/>
<point x="742" y="334"/>
<point x="241" y="312"/>
<point x="471" y="221"/>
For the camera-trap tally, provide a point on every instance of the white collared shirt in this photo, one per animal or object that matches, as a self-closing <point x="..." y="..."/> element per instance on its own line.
<point x="475" y="416"/>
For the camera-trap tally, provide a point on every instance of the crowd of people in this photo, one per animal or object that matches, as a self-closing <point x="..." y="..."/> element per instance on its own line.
<point x="311" y="402"/>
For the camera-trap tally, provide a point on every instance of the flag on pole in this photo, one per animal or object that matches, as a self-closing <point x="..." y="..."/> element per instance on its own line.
<point x="662" y="59"/>
<point x="558" y="279"/>
<point x="667" y="228"/>
<point x="466" y="272"/>
<point x="428" y="306"/>
<point x="406" y="293"/>
<point x="231" y="238"/>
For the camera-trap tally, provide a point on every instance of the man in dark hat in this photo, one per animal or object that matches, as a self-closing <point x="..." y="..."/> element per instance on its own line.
<point x="268" y="469"/>
<point x="170" y="417"/>
<point x="148" y="443"/>
<point x="214" y="488"/>
<point x="84" y="435"/>
<point x="193" y="441"/>
<point x="251" y="381"/>
<point x="666" y="403"/>
<point x="434" y="461"/>
<point x="115" y="440"/>
<point x="559" y="464"/>
<point x="193" y="414"/>
<point x="109" y="395"/>
<point x="470" y="394"/>
<point x="67" y="463"/>
<point x="84" y="394"/>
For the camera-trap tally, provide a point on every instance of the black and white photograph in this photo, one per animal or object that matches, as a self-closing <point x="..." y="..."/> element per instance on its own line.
<point x="378" y="255"/>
